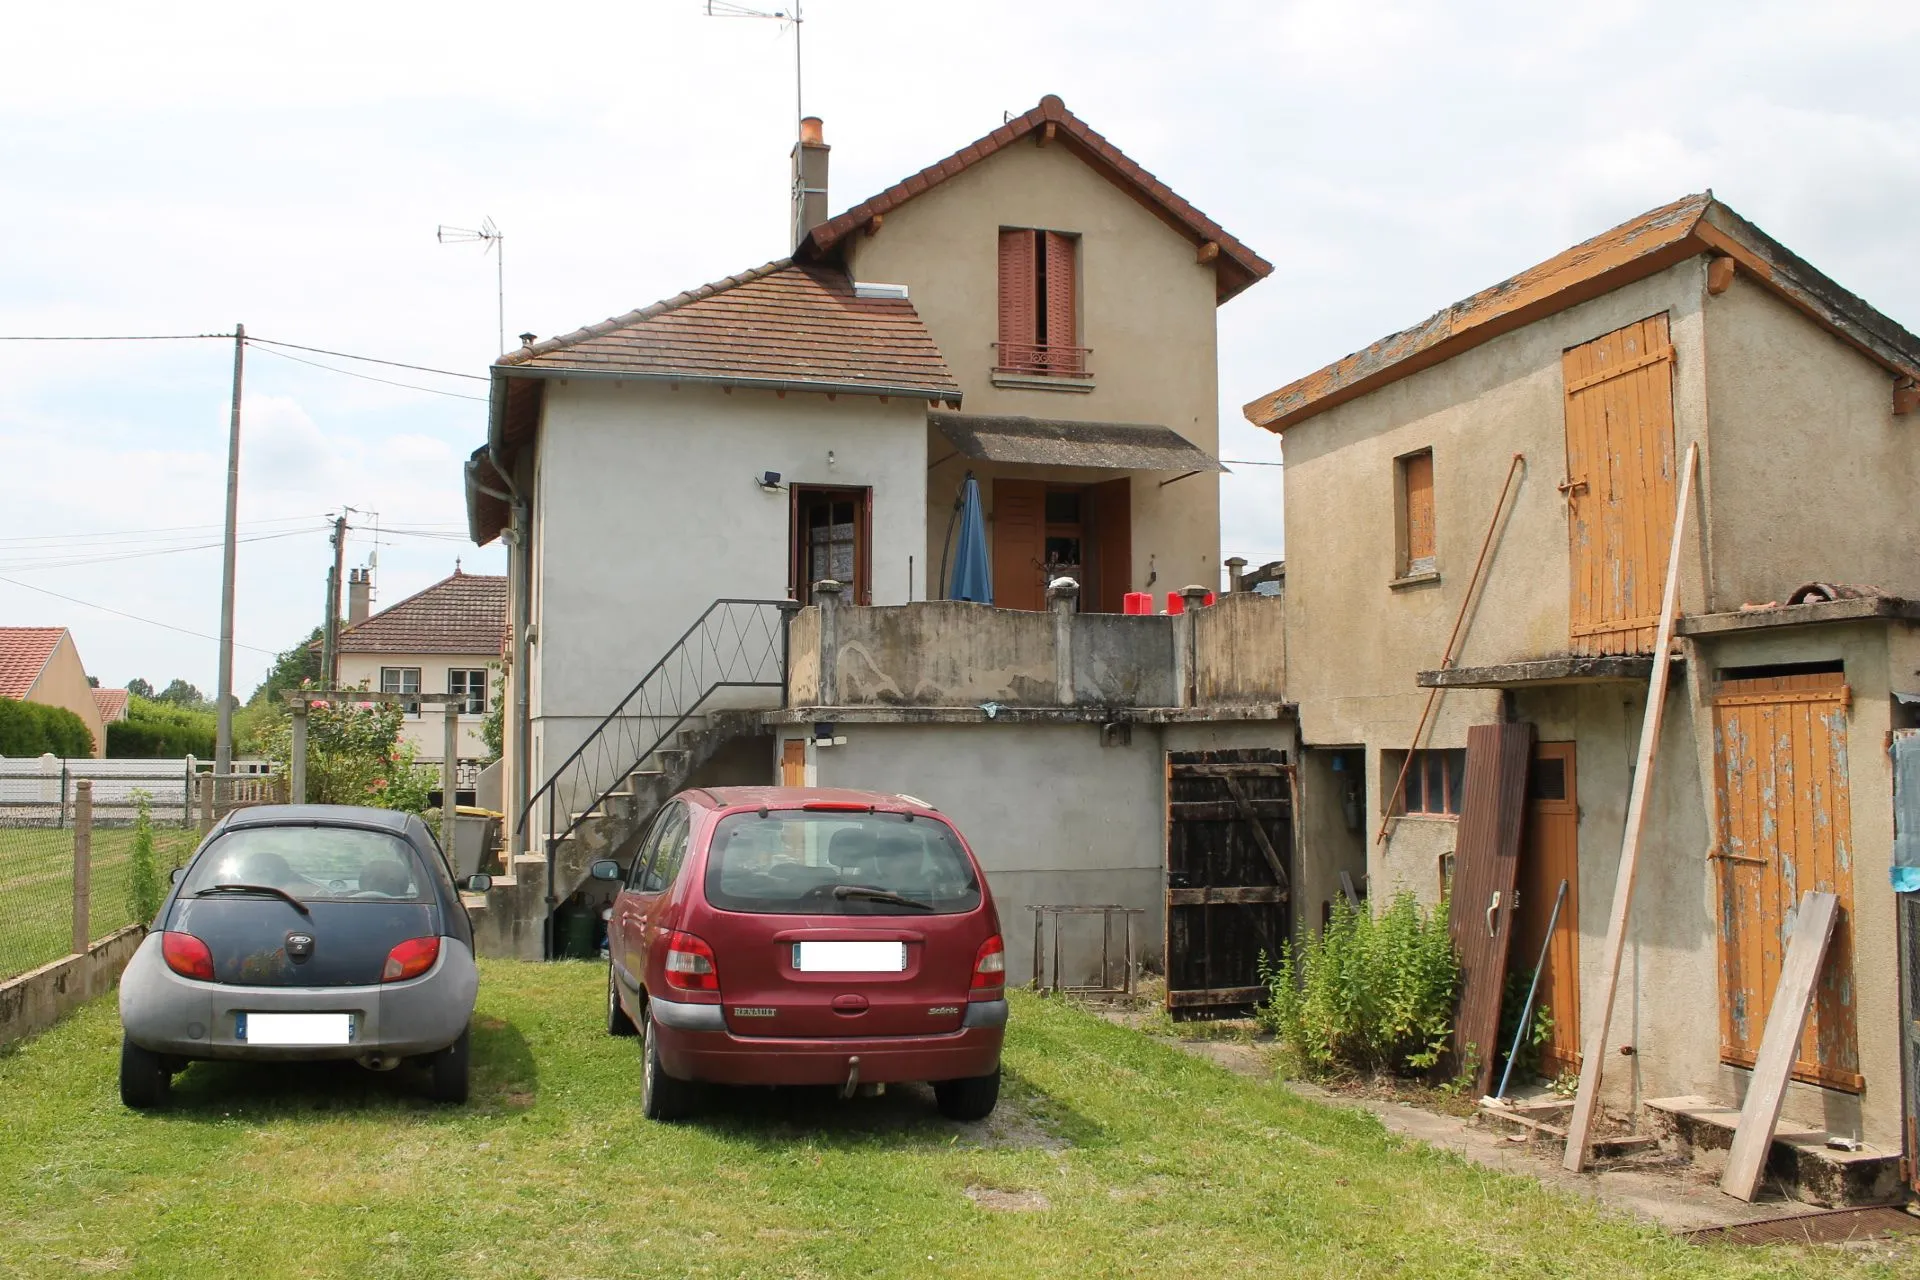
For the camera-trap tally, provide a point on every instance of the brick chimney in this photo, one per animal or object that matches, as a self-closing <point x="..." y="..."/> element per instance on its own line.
<point x="359" y="595"/>
<point x="809" y="179"/>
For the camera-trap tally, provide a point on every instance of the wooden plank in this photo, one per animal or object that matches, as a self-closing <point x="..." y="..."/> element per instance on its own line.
<point x="1260" y="836"/>
<point x="1212" y="896"/>
<point x="1346" y="887"/>
<point x="1584" y="1102"/>
<point x="1216" y="996"/>
<point x="1638" y="362"/>
<point x="1223" y="810"/>
<point x="1767" y="1090"/>
<point x="1250" y="769"/>
<point x="1486" y="869"/>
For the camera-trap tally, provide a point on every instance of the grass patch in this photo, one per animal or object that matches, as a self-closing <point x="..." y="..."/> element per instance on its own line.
<point x="36" y="887"/>
<point x="1113" y="1155"/>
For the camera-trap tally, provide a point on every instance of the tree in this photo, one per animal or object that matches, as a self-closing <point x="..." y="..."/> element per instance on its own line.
<point x="354" y="756"/>
<point x="93" y="682"/>
<point x="493" y="725"/>
<point x="182" y="694"/>
<point x="290" y="669"/>
<point x="139" y="688"/>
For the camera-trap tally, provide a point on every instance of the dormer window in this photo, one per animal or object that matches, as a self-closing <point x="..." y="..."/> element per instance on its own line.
<point x="1039" y="304"/>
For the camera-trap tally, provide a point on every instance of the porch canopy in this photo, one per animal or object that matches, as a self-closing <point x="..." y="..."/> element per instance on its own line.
<point x="1052" y="442"/>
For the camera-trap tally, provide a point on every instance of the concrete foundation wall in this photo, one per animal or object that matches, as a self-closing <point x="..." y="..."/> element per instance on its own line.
<point x="34" y="1001"/>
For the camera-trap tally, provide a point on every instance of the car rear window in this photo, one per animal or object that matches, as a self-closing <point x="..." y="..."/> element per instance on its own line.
<point x="313" y="863"/>
<point x="808" y="862"/>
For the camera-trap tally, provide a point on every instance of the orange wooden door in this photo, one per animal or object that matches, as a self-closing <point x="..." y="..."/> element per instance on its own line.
<point x="1785" y="826"/>
<point x="793" y="763"/>
<point x="1619" y="485"/>
<point x="1019" y="544"/>
<point x="1550" y="853"/>
<point x="1112" y="547"/>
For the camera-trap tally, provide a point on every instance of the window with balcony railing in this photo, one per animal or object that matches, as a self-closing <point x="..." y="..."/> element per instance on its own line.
<point x="1039" y="304"/>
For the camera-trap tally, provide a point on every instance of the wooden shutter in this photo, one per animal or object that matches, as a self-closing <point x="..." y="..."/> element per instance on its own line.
<point x="1486" y="865"/>
<point x="1018" y="312"/>
<point x="1417" y="480"/>
<point x="1061" y="302"/>
<point x="1619" y="485"/>
<point x="1019" y="543"/>
<point x="1112" y="546"/>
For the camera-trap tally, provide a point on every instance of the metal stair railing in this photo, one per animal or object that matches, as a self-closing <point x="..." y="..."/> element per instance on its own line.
<point x="735" y="644"/>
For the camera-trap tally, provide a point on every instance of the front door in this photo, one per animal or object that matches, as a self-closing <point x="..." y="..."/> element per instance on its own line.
<point x="1619" y="485"/>
<point x="1081" y="531"/>
<point x="1549" y="856"/>
<point x="831" y="538"/>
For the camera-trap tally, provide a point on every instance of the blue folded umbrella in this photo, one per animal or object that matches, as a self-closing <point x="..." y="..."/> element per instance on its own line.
<point x="972" y="574"/>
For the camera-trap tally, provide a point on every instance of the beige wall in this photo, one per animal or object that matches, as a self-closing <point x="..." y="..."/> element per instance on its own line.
<point x="427" y="731"/>
<point x="63" y="683"/>
<point x="1146" y="310"/>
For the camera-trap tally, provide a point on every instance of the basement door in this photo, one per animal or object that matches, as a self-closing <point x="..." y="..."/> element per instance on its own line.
<point x="1619" y="485"/>
<point x="1550" y="853"/>
<point x="1780" y="791"/>
<point x="1229" y="853"/>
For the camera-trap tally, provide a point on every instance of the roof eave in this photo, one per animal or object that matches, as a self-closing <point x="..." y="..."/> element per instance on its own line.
<point x="949" y="392"/>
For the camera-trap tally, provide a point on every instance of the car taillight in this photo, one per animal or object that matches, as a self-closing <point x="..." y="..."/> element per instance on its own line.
<point x="990" y="970"/>
<point x="187" y="956"/>
<point x="690" y="965"/>
<point x="410" y="959"/>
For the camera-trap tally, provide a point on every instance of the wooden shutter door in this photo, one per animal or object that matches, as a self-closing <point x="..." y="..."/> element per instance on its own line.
<point x="1417" y="475"/>
<point x="1785" y="826"/>
<point x="1112" y="546"/>
<point x="1019" y="543"/>
<point x="1018" y="300"/>
<point x="1619" y="485"/>
<point x="1486" y="865"/>
<point x="1062" y="307"/>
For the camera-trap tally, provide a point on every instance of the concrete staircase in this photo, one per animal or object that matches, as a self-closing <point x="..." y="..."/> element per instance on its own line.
<point x="511" y="919"/>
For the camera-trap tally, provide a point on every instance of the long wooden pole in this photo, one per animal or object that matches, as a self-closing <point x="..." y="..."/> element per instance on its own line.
<point x="1596" y="1047"/>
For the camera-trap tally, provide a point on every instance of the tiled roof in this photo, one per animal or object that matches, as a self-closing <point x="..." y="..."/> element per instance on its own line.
<point x="786" y="323"/>
<point x="23" y="655"/>
<point x="112" y="704"/>
<point x="1637" y="248"/>
<point x="466" y="613"/>
<point x="1237" y="265"/>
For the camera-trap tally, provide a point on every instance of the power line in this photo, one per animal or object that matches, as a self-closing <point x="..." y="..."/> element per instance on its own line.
<point x="370" y="378"/>
<point x="347" y="355"/>
<point x="1249" y="462"/>
<point x="179" y="530"/>
<point x="200" y="635"/>
<point x="72" y="562"/>
<point x="111" y="337"/>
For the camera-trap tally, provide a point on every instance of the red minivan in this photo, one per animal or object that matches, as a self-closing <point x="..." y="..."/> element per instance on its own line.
<point x="806" y="936"/>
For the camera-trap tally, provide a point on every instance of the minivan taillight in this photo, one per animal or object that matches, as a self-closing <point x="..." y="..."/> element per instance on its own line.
<point x="187" y="956"/>
<point x="410" y="959"/>
<point x="690" y="966"/>
<point x="990" y="970"/>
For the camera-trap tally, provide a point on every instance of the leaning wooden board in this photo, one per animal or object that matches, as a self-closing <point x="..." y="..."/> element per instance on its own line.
<point x="1753" y="1137"/>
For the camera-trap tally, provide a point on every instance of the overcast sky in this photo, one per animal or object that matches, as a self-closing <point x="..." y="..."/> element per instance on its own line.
<point x="175" y="169"/>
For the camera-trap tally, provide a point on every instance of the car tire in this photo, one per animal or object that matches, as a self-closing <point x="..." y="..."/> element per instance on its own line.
<point x="972" y="1098"/>
<point x="661" y="1096"/>
<point x="451" y="1071"/>
<point x="618" y="1023"/>
<point x="145" y="1077"/>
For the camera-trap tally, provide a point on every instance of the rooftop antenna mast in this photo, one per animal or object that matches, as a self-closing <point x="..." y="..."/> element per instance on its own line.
<point x="788" y="17"/>
<point x="495" y="242"/>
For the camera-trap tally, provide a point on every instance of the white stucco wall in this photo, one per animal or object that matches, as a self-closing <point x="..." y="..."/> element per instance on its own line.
<point x="427" y="731"/>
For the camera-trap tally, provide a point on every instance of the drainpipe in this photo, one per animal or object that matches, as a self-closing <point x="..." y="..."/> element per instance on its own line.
<point x="520" y="566"/>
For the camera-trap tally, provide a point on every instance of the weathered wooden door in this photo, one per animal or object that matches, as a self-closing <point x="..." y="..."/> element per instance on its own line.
<point x="793" y="762"/>
<point x="1619" y="485"/>
<point x="1780" y="749"/>
<point x="1486" y="864"/>
<point x="1019" y="544"/>
<point x="1550" y="853"/>
<point x="1229" y="875"/>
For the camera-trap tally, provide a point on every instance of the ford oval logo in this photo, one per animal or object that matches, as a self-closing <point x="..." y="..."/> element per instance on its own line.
<point x="299" y="945"/>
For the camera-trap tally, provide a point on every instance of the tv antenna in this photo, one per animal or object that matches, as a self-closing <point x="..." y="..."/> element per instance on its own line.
<point x="788" y="17"/>
<point x="494" y="240"/>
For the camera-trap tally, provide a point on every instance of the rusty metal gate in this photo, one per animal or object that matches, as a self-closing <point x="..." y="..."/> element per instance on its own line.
<point x="1229" y="875"/>
<point x="1906" y="884"/>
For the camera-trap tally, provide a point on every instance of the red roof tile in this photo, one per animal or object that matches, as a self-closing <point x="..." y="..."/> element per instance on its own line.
<point x="23" y="656"/>
<point x="466" y="613"/>
<point x="112" y="704"/>
<point x="1237" y="266"/>
<point x="785" y="323"/>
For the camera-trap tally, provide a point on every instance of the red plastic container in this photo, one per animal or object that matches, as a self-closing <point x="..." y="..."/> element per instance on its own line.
<point x="1137" y="602"/>
<point x="1175" y="603"/>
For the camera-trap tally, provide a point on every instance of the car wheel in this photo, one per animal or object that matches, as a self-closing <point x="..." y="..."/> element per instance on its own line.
<point x="970" y="1099"/>
<point x="145" y="1076"/>
<point x="661" y="1096"/>
<point x="452" y="1071"/>
<point x="618" y="1023"/>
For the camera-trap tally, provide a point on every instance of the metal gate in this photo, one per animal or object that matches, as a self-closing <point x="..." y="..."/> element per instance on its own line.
<point x="1229" y="859"/>
<point x="1906" y="874"/>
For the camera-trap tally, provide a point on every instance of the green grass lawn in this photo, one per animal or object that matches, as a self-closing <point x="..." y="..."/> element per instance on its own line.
<point x="1134" y="1159"/>
<point x="36" y="888"/>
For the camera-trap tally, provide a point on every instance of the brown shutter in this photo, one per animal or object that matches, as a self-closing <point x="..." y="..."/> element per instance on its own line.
<point x="1017" y="310"/>
<point x="1061" y="309"/>
<point x="1112" y="546"/>
<point x="1486" y="866"/>
<point x="1019" y="543"/>
<point x="1418" y="475"/>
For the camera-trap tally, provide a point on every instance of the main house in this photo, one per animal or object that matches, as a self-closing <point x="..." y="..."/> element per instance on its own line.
<point x="1479" y="516"/>
<point x="1035" y="311"/>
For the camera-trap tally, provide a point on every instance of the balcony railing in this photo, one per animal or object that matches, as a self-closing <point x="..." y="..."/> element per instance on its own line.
<point x="1042" y="358"/>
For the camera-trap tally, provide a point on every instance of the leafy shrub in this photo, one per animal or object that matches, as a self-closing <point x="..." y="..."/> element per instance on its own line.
<point x="33" y="729"/>
<point x="354" y="755"/>
<point x="1526" y="1063"/>
<point x="493" y="726"/>
<point x="154" y="730"/>
<point x="1368" y="993"/>
<point x="143" y="866"/>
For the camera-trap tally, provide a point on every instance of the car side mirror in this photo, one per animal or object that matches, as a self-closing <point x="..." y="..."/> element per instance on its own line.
<point x="607" y="869"/>
<point x="179" y="874"/>
<point x="479" y="882"/>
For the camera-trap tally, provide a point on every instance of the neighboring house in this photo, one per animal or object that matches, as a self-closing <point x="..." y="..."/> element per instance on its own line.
<point x="1598" y="369"/>
<point x="41" y="664"/>
<point x="112" y="704"/>
<point x="445" y="639"/>
<point x="1035" y="309"/>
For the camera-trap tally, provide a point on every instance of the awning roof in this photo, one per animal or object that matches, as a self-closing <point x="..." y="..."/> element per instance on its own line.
<point x="1049" y="442"/>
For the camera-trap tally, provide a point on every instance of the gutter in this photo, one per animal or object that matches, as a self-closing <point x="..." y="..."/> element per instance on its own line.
<point x="497" y="414"/>
<point x="520" y="569"/>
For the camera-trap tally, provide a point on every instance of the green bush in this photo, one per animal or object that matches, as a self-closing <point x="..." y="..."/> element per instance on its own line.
<point x="154" y="730"/>
<point x="31" y="729"/>
<point x="354" y="755"/>
<point x="1368" y="994"/>
<point x="144" y="890"/>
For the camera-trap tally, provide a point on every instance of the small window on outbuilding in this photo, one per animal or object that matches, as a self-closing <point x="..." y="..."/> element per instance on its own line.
<point x="1413" y="484"/>
<point x="1434" y="783"/>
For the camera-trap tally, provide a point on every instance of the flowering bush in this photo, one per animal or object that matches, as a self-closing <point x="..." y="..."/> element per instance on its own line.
<point x="354" y="755"/>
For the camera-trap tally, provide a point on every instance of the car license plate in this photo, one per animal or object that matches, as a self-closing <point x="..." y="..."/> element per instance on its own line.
<point x="850" y="957"/>
<point x="297" y="1030"/>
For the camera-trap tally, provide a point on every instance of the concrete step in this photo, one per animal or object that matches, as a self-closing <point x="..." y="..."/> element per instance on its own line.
<point x="520" y="859"/>
<point x="474" y="901"/>
<point x="1801" y="1159"/>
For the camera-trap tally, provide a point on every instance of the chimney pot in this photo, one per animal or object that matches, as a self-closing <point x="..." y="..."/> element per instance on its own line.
<point x="528" y="339"/>
<point x="812" y="133"/>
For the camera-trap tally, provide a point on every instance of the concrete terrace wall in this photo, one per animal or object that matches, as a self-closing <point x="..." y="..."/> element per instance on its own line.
<point x="1240" y="648"/>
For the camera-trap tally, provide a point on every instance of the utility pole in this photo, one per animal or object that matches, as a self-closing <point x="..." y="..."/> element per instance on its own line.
<point x="330" y="642"/>
<point x="223" y="733"/>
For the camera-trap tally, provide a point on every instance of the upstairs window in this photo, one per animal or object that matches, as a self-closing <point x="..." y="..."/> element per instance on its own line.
<point x="1039" y="304"/>
<point x="471" y="684"/>
<point x="1414" y="480"/>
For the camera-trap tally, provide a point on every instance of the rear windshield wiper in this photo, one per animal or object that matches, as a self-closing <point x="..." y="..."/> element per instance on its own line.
<point x="298" y="905"/>
<point x="845" y="891"/>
